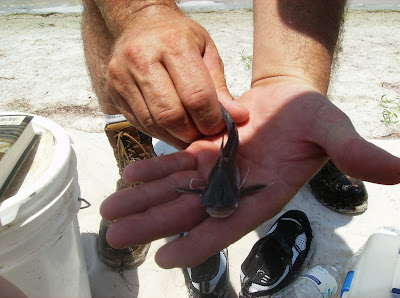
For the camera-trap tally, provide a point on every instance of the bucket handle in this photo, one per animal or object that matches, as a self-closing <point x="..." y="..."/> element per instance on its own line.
<point x="86" y="202"/>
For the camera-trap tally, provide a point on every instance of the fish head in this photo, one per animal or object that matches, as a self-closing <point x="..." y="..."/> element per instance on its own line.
<point x="221" y="198"/>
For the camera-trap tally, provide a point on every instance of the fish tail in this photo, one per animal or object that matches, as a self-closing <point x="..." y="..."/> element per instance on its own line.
<point x="233" y="139"/>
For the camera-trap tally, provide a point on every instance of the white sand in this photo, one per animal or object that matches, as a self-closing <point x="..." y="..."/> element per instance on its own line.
<point x="42" y="71"/>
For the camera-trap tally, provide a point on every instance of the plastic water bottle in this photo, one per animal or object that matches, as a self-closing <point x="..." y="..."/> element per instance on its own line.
<point x="319" y="281"/>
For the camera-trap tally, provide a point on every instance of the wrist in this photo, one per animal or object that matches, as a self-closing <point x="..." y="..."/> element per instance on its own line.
<point x="152" y="15"/>
<point x="281" y="82"/>
<point x="124" y="14"/>
<point x="316" y="78"/>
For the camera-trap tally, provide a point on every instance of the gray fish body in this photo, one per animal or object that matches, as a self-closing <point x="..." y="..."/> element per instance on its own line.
<point x="222" y="192"/>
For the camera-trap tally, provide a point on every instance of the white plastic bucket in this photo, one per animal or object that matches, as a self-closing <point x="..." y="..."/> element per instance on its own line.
<point x="40" y="246"/>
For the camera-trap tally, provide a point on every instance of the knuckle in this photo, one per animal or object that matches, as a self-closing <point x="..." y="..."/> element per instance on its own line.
<point x="197" y="99"/>
<point x="170" y="118"/>
<point x="114" y="71"/>
<point x="136" y="56"/>
<point x="177" y="43"/>
<point x="172" y="38"/>
<point x="133" y="53"/>
<point x="149" y="125"/>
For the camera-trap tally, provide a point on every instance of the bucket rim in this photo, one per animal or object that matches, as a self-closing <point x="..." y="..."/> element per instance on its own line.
<point x="62" y="151"/>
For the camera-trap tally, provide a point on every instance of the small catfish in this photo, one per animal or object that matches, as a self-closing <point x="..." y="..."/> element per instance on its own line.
<point x="222" y="191"/>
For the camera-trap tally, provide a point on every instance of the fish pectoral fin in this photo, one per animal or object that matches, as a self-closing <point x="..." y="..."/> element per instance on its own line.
<point x="194" y="191"/>
<point x="252" y="189"/>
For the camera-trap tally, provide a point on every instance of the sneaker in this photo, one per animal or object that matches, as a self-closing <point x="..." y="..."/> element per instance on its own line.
<point x="277" y="259"/>
<point x="128" y="144"/>
<point x="339" y="192"/>
<point x="210" y="279"/>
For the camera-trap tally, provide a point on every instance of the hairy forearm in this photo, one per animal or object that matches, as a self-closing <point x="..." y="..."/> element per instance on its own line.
<point x="120" y="14"/>
<point x="296" y="39"/>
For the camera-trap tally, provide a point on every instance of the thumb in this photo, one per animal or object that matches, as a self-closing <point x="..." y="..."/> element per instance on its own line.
<point x="366" y="161"/>
<point x="354" y="155"/>
<point x="215" y="66"/>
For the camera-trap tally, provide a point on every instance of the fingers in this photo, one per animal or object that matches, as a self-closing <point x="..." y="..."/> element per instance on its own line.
<point x="164" y="173"/>
<point x="146" y="95"/>
<point x="168" y="82"/>
<point x="136" y="199"/>
<point x="214" y="234"/>
<point x="215" y="67"/>
<point x="160" y="167"/>
<point x="156" y="222"/>
<point x="196" y="89"/>
<point x="145" y="196"/>
<point x="149" y="212"/>
<point x="163" y="106"/>
<point x="166" y="90"/>
<point x="129" y="99"/>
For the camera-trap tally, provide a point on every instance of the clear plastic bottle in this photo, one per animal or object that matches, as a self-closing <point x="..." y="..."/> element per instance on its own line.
<point x="319" y="281"/>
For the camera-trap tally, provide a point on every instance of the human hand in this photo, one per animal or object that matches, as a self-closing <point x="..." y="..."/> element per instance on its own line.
<point x="291" y="132"/>
<point x="166" y="77"/>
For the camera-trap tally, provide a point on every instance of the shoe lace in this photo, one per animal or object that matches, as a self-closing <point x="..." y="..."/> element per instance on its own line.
<point x="127" y="152"/>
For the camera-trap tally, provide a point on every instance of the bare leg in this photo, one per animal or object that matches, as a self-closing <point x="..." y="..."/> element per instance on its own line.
<point x="127" y="142"/>
<point x="98" y="43"/>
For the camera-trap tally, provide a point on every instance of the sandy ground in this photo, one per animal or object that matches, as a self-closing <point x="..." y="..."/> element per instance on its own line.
<point x="42" y="68"/>
<point x="42" y="71"/>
